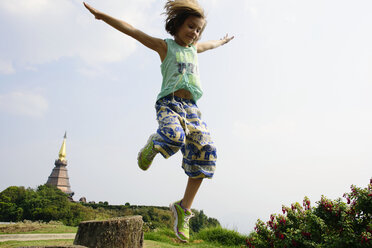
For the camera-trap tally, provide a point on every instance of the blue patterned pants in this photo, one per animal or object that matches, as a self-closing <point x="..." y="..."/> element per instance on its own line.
<point x="181" y="128"/>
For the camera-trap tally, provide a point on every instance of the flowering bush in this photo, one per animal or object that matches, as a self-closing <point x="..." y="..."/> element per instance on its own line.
<point x="332" y="223"/>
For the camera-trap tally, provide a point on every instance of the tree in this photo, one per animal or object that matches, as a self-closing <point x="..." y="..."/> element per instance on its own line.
<point x="46" y="203"/>
<point x="201" y="221"/>
<point x="10" y="201"/>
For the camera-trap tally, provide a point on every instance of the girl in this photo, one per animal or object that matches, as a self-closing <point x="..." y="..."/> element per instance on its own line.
<point x="180" y="124"/>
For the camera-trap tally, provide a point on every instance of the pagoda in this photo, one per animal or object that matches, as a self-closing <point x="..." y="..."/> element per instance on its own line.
<point x="59" y="175"/>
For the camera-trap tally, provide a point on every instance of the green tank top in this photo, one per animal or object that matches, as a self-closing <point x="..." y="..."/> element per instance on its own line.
<point x="180" y="70"/>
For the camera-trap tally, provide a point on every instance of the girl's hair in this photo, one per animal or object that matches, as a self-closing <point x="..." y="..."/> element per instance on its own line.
<point x="177" y="11"/>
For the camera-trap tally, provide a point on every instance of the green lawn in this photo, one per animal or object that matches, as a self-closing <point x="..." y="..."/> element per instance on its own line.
<point x="11" y="244"/>
<point x="147" y="244"/>
<point x="195" y="244"/>
<point x="36" y="227"/>
<point x="161" y="238"/>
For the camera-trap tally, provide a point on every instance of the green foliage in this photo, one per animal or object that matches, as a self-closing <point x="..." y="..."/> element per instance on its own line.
<point x="10" y="202"/>
<point x="154" y="217"/>
<point x="221" y="236"/>
<point x="201" y="221"/>
<point x="46" y="203"/>
<point x="332" y="223"/>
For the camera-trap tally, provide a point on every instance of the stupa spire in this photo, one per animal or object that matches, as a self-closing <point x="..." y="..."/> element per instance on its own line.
<point x="59" y="176"/>
<point x="62" y="151"/>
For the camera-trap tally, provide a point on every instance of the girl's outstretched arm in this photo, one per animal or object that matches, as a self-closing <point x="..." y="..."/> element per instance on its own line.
<point x="207" y="45"/>
<point x="153" y="43"/>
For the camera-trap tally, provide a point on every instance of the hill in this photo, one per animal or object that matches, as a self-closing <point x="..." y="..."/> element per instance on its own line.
<point x="47" y="203"/>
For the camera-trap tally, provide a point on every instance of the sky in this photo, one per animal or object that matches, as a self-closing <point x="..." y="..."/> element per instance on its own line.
<point x="288" y="102"/>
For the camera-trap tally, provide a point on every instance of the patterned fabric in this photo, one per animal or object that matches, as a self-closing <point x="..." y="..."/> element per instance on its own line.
<point x="181" y="128"/>
<point x="180" y="70"/>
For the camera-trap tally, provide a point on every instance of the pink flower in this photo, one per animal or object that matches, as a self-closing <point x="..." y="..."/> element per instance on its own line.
<point x="306" y="234"/>
<point x="284" y="210"/>
<point x="306" y="203"/>
<point x="282" y="221"/>
<point x="249" y="243"/>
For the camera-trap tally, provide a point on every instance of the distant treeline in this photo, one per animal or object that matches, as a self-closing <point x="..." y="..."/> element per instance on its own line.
<point x="47" y="203"/>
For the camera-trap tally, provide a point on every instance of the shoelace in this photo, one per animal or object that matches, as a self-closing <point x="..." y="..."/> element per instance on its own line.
<point x="187" y="219"/>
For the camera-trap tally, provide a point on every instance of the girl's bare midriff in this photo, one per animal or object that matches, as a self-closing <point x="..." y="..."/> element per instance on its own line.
<point x="182" y="93"/>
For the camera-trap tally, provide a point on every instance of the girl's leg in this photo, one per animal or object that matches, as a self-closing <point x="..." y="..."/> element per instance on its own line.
<point x="181" y="210"/>
<point x="192" y="188"/>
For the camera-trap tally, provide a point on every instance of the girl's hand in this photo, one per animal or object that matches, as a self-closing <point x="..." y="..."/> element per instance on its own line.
<point x="212" y="44"/>
<point x="226" y="39"/>
<point x="92" y="10"/>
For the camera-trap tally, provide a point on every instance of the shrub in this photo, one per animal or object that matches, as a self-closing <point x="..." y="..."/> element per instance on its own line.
<point x="221" y="236"/>
<point x="332" y="223"/>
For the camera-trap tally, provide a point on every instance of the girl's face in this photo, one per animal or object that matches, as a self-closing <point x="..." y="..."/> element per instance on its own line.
<point x="189" y="31"/>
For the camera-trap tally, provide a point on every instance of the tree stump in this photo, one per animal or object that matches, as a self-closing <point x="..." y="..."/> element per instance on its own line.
<point x="123" y="232"/>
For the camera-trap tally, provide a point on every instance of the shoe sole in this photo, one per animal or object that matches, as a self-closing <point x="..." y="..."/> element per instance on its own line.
<point x="175" y="215"/>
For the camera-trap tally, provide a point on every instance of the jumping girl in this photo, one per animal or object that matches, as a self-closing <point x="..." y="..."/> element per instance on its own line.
<point x="179" y="118"/>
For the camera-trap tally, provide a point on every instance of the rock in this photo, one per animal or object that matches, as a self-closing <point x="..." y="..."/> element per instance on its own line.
<point x="125" y="232"/>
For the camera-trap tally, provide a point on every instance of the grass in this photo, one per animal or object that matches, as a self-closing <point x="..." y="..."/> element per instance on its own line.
<point x="11" y="244"/>
<point x="161" y="238"/>
<point x="147" y="244"/>
<point x="194" y="244"/>
<point x="207" y="238"/>
<point x="36" y="227"/>
<point x="219" y="235"/>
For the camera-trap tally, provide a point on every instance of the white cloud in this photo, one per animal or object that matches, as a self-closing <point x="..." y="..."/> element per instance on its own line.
<point x="24" y="103"/>
<point x="24" y="7"/>
<point x="44" y="31"/>
<point x="6" y="67"/>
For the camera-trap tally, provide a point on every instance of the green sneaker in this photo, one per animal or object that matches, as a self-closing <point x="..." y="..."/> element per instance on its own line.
<point x="147" y="153"/>
<point x="181" y="221"/>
